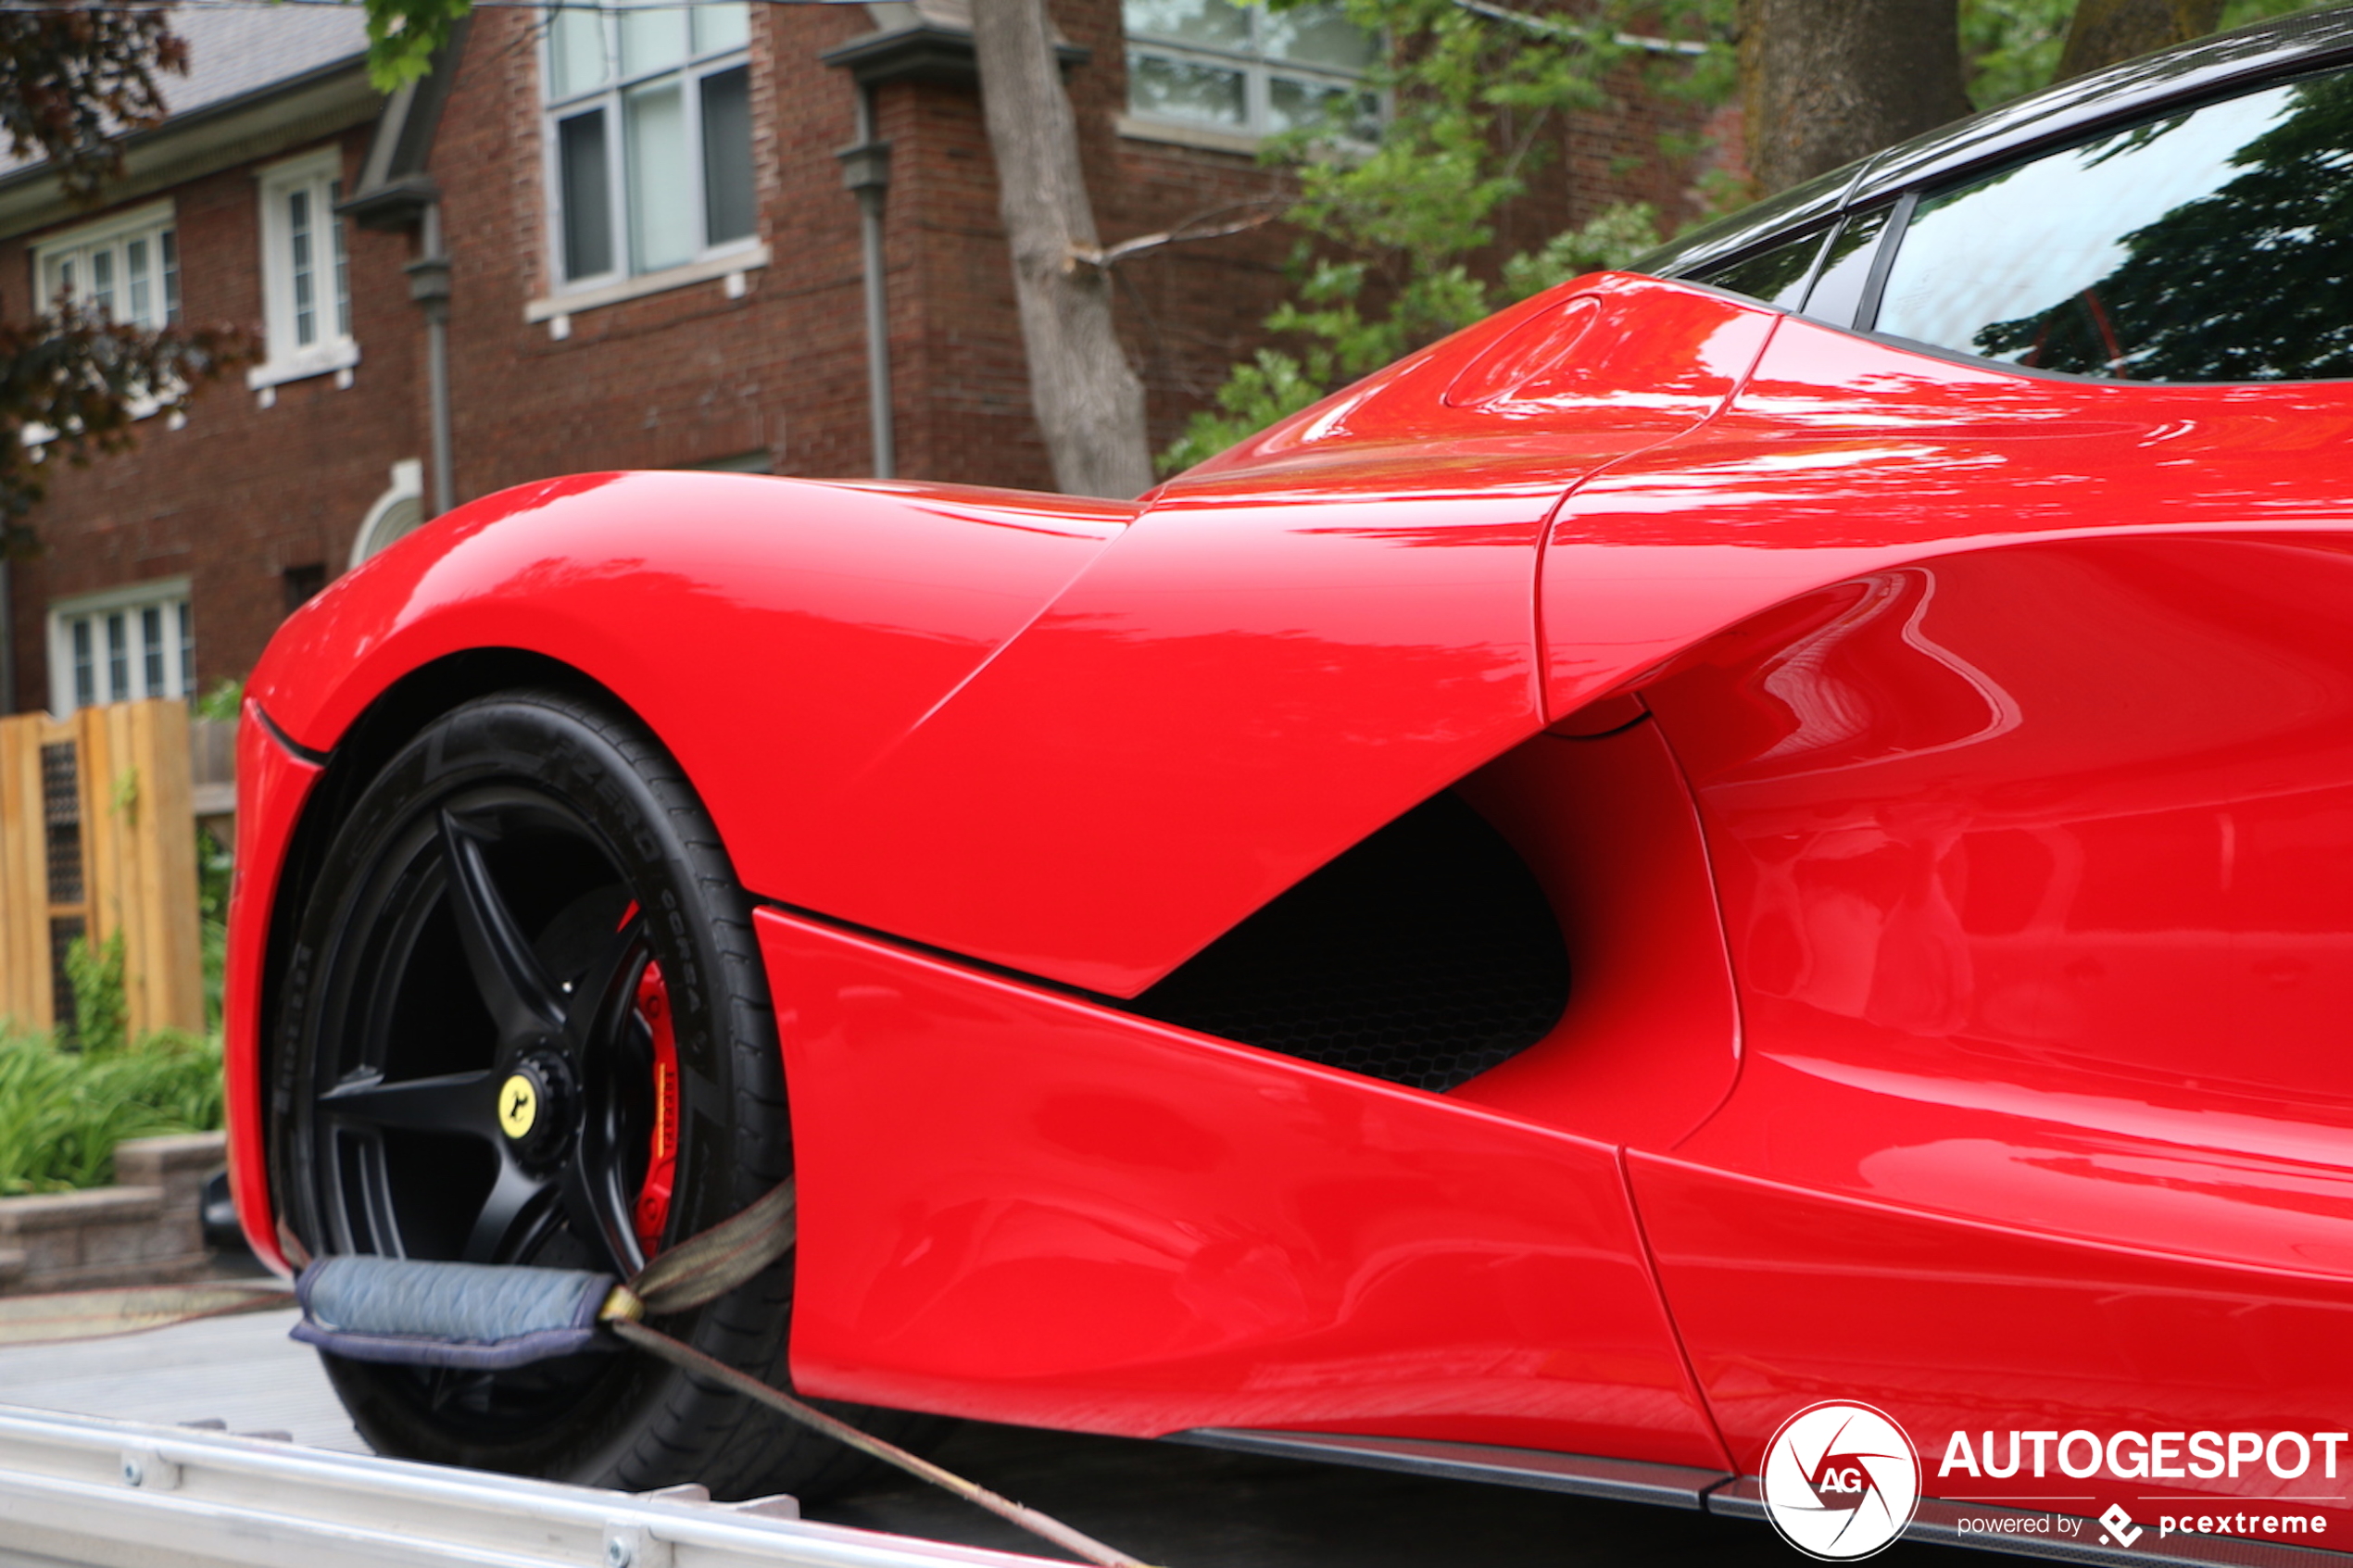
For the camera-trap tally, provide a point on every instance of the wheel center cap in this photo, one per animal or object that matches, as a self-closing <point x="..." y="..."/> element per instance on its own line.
<point x="535" y="1105"/>
<point x="518" y="1106"/>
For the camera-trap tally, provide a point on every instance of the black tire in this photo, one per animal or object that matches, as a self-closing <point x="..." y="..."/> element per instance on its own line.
<point x="489" y="907"/>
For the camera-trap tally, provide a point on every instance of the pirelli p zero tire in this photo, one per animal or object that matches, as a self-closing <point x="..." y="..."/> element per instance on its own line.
<point x="525" y="1021"/>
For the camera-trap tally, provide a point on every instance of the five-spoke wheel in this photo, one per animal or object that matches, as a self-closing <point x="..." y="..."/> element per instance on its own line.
<point x="523" y="1021"/>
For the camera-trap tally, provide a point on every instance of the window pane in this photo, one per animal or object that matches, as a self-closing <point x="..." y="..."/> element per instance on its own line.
<point x="652" y="35"/>
<point x="1219" y="24"/>
<point x="102" y="279"/>
<point x="151" y="650"/>
<point x="721" y="27"/>
<point x="726" y="155"/>
<point x="576" y="51"/>
<point x="1291" y="103"/>
<point x="2208" y="246"/>
<point x="169" y="242"/>
<point x="306" y="315"/>
<point x="85" y="670"/>
<point x="588" y="194"/>
<point x="662" y="202"/>
<point x="1317" y="35"/>
<point x="136" y="267"/>
<point x="1839" y="291"/>
<point x="1185" y="90"/>
<point x="117" y="658"/>
<point x="343" y="262"/>
<point x="1774" y="276"/>
<point x="187" y="648"/>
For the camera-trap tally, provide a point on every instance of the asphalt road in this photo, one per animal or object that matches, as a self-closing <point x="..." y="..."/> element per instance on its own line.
<point x="1171" y="1505"/>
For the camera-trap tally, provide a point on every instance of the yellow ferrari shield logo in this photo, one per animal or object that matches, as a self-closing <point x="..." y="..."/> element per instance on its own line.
<point x="518" y="1105"/>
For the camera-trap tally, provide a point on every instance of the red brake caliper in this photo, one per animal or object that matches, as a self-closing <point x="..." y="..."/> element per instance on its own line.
<point x="661" y="1160"/>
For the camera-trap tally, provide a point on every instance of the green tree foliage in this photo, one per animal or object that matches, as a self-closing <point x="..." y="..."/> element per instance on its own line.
<point x="1398" y="235"/>
<point x="403" y="35"/>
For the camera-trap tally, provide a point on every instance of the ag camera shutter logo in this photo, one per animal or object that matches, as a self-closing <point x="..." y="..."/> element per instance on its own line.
<point x="1840" y="1481"/>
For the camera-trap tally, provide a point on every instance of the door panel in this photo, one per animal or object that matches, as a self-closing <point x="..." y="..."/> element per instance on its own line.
<point x="2037" y="871"/>
<point x="2032" y="825"/>
<point x="1024" y="1207"/>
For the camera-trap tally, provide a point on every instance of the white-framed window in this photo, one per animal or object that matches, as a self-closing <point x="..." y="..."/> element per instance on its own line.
<point x="648" y="137"/>
<point x="305" y="271"/>
<point x="1247" y="70"/>
<point x="126" y="265"/>
<point x="122" y="645"/>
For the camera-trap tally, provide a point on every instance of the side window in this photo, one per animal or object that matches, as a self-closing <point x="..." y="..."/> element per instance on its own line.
<point x="2209" y="246"/>
<point x="1776" y="276"/>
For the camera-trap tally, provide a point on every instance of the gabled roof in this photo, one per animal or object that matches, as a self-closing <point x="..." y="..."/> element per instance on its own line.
<point x="261" y="78"/>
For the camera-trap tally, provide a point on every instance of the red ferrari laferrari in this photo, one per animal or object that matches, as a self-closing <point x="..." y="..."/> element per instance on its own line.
<point x="1772" y="828"/>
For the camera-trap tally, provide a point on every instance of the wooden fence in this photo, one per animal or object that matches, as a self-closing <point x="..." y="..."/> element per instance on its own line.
<point x="96" y="836"/>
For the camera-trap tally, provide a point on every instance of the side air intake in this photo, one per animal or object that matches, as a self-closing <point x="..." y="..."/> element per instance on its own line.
<point x="1424" y="955"/>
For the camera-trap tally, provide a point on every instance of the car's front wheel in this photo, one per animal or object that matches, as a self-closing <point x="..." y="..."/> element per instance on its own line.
<point x="525" y="1022"/>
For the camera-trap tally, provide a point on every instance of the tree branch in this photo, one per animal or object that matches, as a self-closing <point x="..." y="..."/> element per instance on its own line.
<point x="1105" y="257"/>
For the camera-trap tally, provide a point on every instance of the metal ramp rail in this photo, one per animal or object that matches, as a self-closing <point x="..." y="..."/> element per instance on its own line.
<point x="93" y="1493"/>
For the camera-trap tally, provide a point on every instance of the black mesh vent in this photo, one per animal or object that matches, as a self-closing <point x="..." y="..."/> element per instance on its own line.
<point x="1424" y="955"/>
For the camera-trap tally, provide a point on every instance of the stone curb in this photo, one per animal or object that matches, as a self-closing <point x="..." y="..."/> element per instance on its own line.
<point x="148" y="1229"/>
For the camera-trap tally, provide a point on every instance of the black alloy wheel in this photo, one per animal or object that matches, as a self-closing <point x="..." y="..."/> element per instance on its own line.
<point x="525" y="1021"/>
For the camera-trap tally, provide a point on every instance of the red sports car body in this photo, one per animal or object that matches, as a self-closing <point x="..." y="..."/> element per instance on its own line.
<point x="1938" y="772"/>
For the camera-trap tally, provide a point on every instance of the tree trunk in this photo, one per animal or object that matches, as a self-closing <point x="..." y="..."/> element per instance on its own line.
<point x="1090" y="404"/>
<point x="1825" y="81"/>
<point x="2106" y="32"/>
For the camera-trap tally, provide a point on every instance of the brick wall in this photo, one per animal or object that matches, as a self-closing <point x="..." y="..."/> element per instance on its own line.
<point x="244" y="492"/>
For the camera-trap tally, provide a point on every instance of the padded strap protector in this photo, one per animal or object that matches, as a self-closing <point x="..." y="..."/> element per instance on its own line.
<point x="471" y="1315"/>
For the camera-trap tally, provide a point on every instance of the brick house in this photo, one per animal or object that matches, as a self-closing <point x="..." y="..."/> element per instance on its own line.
<point x="642" y="237"/>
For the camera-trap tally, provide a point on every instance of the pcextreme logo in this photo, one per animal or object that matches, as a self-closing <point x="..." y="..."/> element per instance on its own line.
<point x="1840" y="1481"/>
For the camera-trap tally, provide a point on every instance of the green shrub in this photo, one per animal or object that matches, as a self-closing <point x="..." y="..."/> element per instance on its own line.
<point x="63" y="1112"/>
<point x="101" y="1011"/>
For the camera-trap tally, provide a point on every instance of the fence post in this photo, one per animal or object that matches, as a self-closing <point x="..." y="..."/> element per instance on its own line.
<point x="27" y="991"/>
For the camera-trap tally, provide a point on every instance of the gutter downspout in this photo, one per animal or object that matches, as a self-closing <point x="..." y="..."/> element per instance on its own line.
<point x="866" y="169"/>
<point x="429" y="286"/>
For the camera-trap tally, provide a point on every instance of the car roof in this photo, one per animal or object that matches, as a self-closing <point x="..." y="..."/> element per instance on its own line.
<point x="2066" y="112"/>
